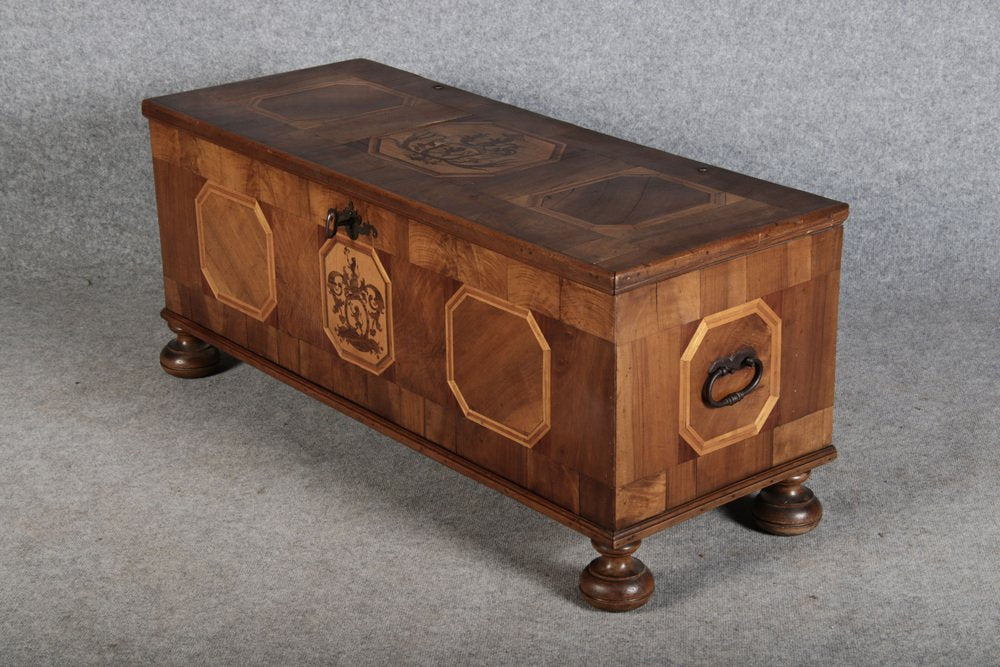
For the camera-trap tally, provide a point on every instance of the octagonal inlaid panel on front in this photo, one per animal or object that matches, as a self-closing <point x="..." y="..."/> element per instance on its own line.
<point x="498" y="365"/>
<point x="464" y="148"/>
<point x="236" y="250"/>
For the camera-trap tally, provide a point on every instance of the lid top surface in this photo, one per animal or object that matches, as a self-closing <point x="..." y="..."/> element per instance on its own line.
<point x="523" y="178"/>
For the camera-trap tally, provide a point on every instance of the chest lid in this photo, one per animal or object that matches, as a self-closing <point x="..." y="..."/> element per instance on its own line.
<point x="597" y="209"/>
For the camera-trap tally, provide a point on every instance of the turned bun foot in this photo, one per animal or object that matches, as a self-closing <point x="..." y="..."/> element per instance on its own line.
<point x="615" y="581"/>
<point x="189" y="357"/>
<point x="788" y="507"/>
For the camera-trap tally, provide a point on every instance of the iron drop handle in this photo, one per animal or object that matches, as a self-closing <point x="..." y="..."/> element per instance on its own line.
<point x="744" y="358"/>
<point x="349" y="219"/>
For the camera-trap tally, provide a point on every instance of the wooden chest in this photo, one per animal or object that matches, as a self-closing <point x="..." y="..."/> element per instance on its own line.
<point x="617" y="337"/>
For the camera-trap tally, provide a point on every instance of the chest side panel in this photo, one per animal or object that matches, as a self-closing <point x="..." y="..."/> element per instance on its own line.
<point x="781" y="304"/>
<point x="505" y="364"/>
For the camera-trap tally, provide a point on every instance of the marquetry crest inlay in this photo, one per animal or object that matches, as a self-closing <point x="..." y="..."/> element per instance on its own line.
<point x="357" y="304"/>
<point x="463" y="148"/>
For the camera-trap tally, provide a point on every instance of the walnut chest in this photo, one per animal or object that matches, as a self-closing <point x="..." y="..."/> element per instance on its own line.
<point x="617" y="337"/>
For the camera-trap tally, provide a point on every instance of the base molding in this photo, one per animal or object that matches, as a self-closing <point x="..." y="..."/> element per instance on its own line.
<point x="611" y="538"/>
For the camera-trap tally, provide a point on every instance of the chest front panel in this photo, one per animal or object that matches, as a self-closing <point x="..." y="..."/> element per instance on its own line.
<point x="506" y="364"/>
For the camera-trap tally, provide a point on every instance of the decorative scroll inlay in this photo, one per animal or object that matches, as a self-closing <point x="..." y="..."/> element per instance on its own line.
<point x="236" y="250"/>
<point x="462" y="148"/>
<point x="749" y="326"/>
<point x="312" y="106"/>
<point x="498" y="365"/>
<point x="357" y="304"/>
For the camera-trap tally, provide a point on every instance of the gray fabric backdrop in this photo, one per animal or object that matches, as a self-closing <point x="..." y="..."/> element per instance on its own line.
<point x="118" y="548"/>
<point x="892" y="107"/>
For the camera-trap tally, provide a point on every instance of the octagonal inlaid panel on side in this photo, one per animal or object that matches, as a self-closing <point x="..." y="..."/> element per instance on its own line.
<point x="236" y="250"/>
<point x="357" y="304"/>
<point x="750" y="325"/>
<point x="464" y="148"/>
<point x="498" y="365"/>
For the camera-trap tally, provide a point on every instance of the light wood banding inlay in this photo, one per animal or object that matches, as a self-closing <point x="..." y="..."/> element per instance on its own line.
<point x="751" y="324"/>
<point x="498" y="365"/>
<point x="236" y="250"/>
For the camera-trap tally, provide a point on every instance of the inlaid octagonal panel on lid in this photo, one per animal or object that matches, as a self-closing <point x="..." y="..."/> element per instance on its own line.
<point x="236" y="250"/>
<point x="721" y="339"/>
<point x="310" y="107"/>
<point x="629" y="200"/>
<point x="498" y="365"/>
<point x="357" y="304"/>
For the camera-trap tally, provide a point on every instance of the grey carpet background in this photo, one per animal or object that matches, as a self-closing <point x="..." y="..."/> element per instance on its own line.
<point x="144" y="519"/>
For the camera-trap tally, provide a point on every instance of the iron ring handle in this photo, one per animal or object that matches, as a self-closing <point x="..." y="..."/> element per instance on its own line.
<point x="725" y="367"/>
<point x="331" y="216"/>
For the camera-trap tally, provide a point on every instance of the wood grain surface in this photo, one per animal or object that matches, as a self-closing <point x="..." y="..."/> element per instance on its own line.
<point x="236" y="250"/>
<point x="499" y="365"/>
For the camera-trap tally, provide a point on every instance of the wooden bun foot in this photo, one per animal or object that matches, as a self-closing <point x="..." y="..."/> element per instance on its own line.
<point x="788" y="507"/>
<point x="615" y="581"/>
<point x="189" y="357"/>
